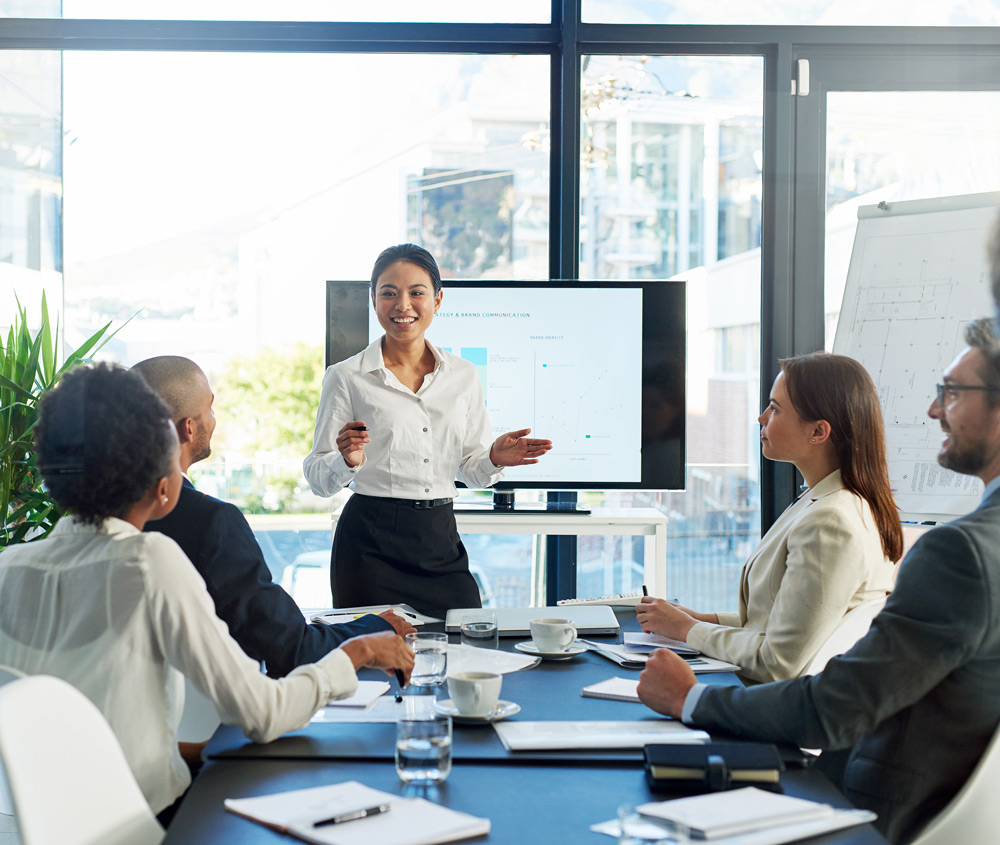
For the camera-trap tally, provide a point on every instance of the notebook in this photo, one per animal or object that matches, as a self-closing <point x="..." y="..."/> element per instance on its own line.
<point x="513" y="621"/>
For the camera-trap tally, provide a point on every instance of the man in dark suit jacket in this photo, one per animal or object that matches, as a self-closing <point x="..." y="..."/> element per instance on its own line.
<point x="261" y="616"/>
<point x="917" y="700"/>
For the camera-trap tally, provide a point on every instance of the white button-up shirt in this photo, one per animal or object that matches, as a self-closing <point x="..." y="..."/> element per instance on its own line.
<point x="419" y="441"/>
<point x="112" y="611"/>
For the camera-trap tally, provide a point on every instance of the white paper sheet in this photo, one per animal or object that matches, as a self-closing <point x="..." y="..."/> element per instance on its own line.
<point x="467" y="658"/>
<point x="538" y="736"/>
<point x="409" y="821"/>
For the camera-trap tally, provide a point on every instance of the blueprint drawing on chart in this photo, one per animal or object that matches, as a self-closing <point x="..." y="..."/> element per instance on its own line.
<point x="918" y="275"/>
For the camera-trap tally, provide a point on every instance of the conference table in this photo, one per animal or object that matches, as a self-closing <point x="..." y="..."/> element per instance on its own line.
<point x="529" y="796"/>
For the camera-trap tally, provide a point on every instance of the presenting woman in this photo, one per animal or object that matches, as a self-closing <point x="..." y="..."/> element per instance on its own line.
<point x="397" y="422"/>
<point x="121" y="614"/>
<point x="831" y="550"/>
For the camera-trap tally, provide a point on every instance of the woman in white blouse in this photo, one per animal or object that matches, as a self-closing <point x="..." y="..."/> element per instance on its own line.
<point x="397" y="422"/>
<point x="831" y="550"/>
<point x="122" y="614"/>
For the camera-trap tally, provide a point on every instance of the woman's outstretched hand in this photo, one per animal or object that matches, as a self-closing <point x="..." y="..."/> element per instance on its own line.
<point x="515" y="449"/>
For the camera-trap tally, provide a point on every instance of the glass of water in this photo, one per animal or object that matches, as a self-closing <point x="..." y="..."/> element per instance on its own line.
<point x="479" y="628"/>
<point x="423" y="748"/>
<point x="430" y="658"/>
<point x="634" y="829"/>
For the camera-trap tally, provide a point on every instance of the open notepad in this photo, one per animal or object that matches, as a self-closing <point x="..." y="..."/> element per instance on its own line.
<point x="409" y="821"/>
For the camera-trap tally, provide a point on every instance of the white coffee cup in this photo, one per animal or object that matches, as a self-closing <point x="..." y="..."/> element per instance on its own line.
<point x="474" y="693"/>
<point x="551" y="636"/>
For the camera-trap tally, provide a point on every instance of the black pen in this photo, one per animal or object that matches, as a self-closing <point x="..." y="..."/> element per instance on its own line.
<point x="645" y="592"/>
<point x="400" y="683"/>
<point x="354" y="814"/>
<point x="360" y="428"/>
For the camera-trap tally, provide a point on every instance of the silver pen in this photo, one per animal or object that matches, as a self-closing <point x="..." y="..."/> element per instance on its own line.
<point x="354" y="814"/>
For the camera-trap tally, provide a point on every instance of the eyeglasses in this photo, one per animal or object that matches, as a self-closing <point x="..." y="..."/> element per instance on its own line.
<point x="942" y="389"/>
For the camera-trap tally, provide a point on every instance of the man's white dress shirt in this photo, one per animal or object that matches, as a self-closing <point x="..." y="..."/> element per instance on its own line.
<point x="121" y="615"/>
<point x="419" y="441"/>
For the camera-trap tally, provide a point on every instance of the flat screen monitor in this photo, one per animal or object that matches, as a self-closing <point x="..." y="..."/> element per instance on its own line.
<point x="596" y="367"/>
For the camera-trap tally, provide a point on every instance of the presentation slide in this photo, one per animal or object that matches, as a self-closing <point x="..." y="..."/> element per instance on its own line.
<point x="578" y="385"/>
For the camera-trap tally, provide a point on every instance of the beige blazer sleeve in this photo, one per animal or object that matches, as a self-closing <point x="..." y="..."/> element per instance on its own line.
<point x="821" y="559"/>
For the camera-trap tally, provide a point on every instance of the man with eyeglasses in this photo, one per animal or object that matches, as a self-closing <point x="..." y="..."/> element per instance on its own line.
<point x="916" y="700"/>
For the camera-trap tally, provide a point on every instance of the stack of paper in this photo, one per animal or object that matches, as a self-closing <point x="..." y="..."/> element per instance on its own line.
<point x="748" y="816"/>
<point x="616" y="689"/>
<point x="408" y="821"/>
<point x="650" y="642"/>
<point x="547" y="736"/>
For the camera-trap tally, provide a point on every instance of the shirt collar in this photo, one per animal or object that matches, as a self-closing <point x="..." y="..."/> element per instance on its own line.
<point x="830" y="484"/>
<point x="991" y="488"/>
<point x="112" y="526"/>
<point x="372" y="360"/>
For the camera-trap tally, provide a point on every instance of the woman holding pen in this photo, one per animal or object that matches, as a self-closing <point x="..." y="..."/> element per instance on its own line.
<point x="831" y="550"/>
<point x="397" y="422"/>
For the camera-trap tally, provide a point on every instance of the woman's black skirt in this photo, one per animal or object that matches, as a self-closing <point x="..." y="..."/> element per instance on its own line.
<point x="389" y="551"/>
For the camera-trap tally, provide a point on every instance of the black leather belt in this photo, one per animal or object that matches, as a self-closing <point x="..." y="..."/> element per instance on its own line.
<point x="418" y="504"/>
<point x="426" y="504"/>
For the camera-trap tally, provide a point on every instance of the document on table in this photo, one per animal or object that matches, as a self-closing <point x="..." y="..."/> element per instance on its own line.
<point x="627" y="659"/>
<point x="408" y="821"/>
<point x="368" y="704"/>
<point x="650" y="642"/>
<point x="348" y="614"/>
<point x="615" y="689"/>
<point x="548" y="736"/>
<point x="748" y="816"/>
<point x="467" y="658"/>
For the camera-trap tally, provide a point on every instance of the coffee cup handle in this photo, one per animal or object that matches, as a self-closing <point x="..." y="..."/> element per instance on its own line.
<point x="569" y="636"/>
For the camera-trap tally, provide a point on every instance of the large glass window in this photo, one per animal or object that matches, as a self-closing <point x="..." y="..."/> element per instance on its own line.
<point x="795" y="12"/>
<point x="210" y="196"/>
<point x="901" y="145"/>
<point x="457" y="11"/>
<point x="671" y="180"/>
<point x="30" y="181"/>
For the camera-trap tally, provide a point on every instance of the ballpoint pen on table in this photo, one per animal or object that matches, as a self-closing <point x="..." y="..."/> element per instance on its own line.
<point x="400" y="683"/>
<point x="354" y="814"/>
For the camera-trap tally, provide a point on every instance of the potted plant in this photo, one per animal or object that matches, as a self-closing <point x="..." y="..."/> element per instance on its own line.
<point x="28" y="367"/>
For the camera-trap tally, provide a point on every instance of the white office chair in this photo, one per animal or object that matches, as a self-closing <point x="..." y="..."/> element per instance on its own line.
<point x="7" y="674"/>
<point x="852" y="628"/>
<point x="68" y="777"/>
<point x="974" y="814"/>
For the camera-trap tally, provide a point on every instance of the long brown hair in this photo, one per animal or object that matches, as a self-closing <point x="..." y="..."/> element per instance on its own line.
<point x="839" y="390"/>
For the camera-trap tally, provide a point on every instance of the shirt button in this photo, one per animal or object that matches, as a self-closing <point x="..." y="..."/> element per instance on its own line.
<point x="427" y="489"/>
<point x="427" y="460"/>
<point x="425" y="428"/>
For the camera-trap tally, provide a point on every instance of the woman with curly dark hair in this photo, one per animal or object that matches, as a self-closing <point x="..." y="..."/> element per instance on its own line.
<point x="122" y="614"/>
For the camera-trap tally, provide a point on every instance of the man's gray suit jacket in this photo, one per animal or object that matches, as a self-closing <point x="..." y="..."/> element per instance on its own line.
<point x="918" y="698"/>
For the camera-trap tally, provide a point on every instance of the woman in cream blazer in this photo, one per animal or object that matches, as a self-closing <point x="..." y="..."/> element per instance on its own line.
<point x="831" y="550"/>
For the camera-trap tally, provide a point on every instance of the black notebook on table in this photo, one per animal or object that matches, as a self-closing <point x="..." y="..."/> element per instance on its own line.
<point x="713" y="766"/>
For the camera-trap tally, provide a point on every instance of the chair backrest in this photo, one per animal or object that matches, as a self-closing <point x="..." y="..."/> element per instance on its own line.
<point x="69" y="780"/>
<point x="974" y="814"/>
<point x="852" y="628"/>
<point x="7" y="674"/>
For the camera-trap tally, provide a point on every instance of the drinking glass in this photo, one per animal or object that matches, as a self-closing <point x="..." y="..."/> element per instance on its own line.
<point x="479" y="628"/>
<point x="423" y="748"/>
<point x="634" y="829"/>
<point x="430" y="658"/>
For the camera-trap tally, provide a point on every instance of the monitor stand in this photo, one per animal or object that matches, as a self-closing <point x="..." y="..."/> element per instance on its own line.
<point x="504" y="502"/>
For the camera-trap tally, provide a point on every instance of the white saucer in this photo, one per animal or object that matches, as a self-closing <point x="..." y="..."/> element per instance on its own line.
<point x="502" y="710"/>
<point x="530" y="648"/>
